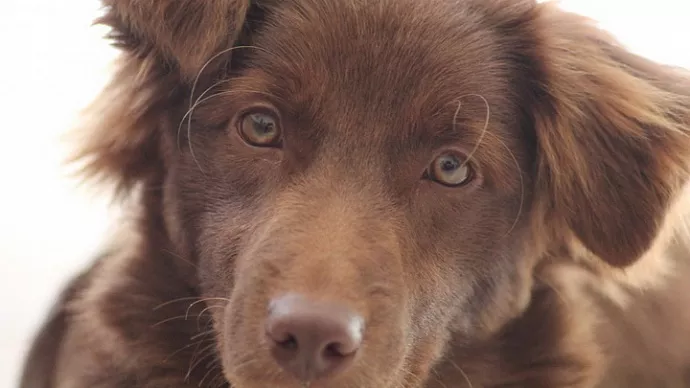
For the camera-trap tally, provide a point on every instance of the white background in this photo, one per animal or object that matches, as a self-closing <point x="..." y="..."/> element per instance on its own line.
<point x="52" y="62"/>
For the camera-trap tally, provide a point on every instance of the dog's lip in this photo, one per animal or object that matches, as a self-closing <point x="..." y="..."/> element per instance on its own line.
<point x="287" y="382"/>
<point x="311" y="384"/>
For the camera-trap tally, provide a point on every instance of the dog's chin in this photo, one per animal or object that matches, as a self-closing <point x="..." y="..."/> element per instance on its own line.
<point x="240" y="377"/>
<point x="240" y="380"/>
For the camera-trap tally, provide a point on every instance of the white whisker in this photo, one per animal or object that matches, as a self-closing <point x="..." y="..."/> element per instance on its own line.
<point x="205" y="300"/>
<point x="486" y="123"/>
<point x="194" y="85"/>
<point x="462" y="372"/>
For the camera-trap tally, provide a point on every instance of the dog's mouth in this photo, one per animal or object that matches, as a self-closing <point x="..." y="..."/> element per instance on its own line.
<point x="284" y="384"/>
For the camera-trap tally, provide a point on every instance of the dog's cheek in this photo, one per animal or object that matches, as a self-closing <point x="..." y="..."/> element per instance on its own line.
<point x="499" y="298"/>
<point x="223" y="229"/>
<point x="434" y="291"/>
<point x="471" y="296"/>
<point x="175" y="211"/>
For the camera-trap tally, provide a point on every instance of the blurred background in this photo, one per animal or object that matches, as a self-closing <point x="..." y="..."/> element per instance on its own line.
<point x="53" y="62"/>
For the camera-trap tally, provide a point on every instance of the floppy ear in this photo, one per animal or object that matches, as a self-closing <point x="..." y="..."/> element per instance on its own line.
<point x="185" y="33"/>
<point x="165" y="44"/>
<point x="612" y="135"/>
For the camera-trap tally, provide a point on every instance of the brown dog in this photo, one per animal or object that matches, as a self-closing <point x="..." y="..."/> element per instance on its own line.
<point x="380" y="194"/>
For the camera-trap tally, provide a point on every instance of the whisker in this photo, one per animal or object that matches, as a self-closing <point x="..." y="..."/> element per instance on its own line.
<point x="195" y="353"/>
<point x="216" y="367"/>
<point x="175" y="301"/>
<point x="205" y="300"/>
<point x="189" y="113"/>
<point x="185" y="317"/>
<point x="210" y="363"/>
<point x="208" y="327"/>
<point x="194" y="85"/>
<point x="438" y="379"/>
<point x="193" y="364"/>
<point x="512" y="155"/>
<point x="207" y="332"/>
<point x="192" y="107"/>
<point x="198" y="362"/>
<point x="200" y="101"/>
<point x="173" y="354"/>
<point x="486" y="124"/>
<point x="175" y="255"/>
<point x="462" y="372"/>
<point x="204" y="311"/>
<point x="244" y="364"/>
<point x="213" y="58"/>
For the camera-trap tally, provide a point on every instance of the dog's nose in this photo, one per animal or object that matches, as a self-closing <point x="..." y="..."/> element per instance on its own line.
<point x="312" y="339"/>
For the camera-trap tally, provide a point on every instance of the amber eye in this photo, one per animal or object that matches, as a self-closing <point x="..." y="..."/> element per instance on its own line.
<point x="260" y="129"/>
<point x="450" y="169"/>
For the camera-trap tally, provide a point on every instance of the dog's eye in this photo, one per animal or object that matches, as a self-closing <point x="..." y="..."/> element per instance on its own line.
<point x="450" y="169"/>
<point x="260" y="129"/>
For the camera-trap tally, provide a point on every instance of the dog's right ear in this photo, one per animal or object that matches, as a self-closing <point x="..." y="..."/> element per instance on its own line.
<point x="165" y="45"/>
<point x="181" y="33"/>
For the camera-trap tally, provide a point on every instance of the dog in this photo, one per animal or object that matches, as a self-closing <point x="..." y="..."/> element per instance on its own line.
<point x="379" y="194"/>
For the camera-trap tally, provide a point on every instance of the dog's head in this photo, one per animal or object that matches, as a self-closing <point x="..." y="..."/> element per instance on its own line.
<point x="364" y="180"/>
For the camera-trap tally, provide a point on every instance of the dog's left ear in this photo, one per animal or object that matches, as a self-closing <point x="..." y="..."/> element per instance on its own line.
<point x="612" y="132"/>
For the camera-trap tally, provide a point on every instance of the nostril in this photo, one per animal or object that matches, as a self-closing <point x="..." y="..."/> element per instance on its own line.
<point x="347" y="345"/>
<point x="336" y="350"/>
<point x="289" y="343"/>
<point x="277" y="330"/>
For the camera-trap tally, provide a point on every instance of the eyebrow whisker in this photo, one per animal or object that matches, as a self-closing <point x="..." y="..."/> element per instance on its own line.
<point x="484" y="129"/>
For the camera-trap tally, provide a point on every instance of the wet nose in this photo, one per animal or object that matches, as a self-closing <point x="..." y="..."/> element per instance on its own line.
<point x="312" y="339"/>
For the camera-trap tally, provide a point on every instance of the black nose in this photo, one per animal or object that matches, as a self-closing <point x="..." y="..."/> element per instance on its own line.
<point x="312" y="339"/>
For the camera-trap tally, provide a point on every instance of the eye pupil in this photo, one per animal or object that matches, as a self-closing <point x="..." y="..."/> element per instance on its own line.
<point x="449" y="164"/>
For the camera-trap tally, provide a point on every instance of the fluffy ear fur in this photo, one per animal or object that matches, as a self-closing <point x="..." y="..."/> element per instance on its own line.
<point x="612" y="134"/>
<point x="185" y="33"/>
<point x="165" y="44"/>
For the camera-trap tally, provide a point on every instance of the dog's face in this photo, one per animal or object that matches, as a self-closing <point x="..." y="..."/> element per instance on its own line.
<point x="364" y="164"/>
<point x="384" y="174"/>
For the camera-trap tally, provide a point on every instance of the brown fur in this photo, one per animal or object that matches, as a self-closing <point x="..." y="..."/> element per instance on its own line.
<point x="555" y="267"/>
